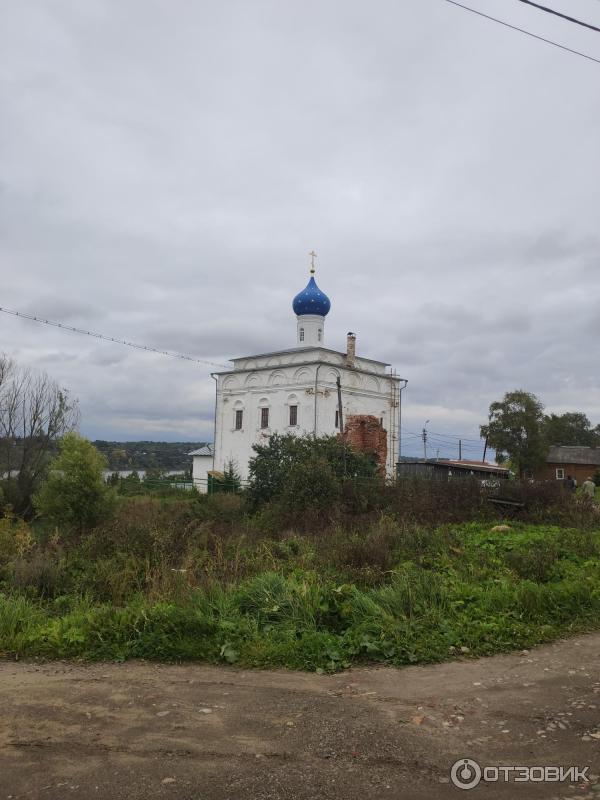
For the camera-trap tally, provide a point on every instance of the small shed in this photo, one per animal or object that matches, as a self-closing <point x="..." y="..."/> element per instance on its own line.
<point x="202" y="465"/>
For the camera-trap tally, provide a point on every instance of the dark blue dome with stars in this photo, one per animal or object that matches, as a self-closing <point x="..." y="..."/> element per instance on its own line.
<point x="311" y="300"/>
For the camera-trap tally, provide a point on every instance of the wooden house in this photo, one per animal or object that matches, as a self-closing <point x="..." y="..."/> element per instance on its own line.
<point x="577" y="462"/>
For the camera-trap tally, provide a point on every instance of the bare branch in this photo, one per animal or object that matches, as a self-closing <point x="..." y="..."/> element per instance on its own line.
<point x="34" y="412"/>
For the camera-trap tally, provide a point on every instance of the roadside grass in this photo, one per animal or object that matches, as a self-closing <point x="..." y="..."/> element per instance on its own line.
<point x="391" y="594"/>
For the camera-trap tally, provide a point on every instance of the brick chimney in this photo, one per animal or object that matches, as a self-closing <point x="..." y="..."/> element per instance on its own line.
<point x="350" y="349"/>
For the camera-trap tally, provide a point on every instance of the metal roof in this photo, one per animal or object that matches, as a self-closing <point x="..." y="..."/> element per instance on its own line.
<point x="304" y="350"/>
<point x="574" y="455"/>
<point x="474" y="465"/>
<point x="206" y="450"/>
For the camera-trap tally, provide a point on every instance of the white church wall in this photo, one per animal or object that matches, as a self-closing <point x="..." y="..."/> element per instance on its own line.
<point x="306" y="355"/>
<point x="282" y="386"/>
<point x="254" y="399"/>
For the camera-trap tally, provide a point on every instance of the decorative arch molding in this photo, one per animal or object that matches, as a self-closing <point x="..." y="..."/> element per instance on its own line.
<point x="353" y="380"/>
<point x="238" y="404"/>
<point x="277" y="378"/>
<point x="230" y="382"/>
<point x="252" y="379"/>
<point x="372" y="384"/>
<point x="302" y="375"/>
<point x="332" y="375"/>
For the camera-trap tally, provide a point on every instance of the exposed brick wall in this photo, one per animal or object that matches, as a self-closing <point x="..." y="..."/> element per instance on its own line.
<point x="366" y="434"/>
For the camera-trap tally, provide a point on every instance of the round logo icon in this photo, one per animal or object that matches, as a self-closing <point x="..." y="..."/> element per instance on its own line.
<point x="465" y="773"/>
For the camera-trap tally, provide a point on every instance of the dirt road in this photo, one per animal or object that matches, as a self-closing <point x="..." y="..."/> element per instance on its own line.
<point x="140" y="730"/>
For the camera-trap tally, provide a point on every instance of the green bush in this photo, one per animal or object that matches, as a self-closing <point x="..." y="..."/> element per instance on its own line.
<point x="208" y="578"/>
<point x="306" y="471"/>
<point x="74" y="496"/>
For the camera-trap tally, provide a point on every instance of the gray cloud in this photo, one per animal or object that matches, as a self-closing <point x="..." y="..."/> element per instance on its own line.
<point x="164" y="170"/>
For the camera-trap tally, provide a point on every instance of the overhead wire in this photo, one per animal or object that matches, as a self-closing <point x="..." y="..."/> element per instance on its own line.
<point x="114" y="340"/>
<point x="560" y="14"/>
<point x="522" y="30"/>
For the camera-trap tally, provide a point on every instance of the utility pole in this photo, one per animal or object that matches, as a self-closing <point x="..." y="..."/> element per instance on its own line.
<point x="424" y="436"/>
<point x="487" y="433"/>
<point x="460" y="449"/>
<point x="341" y="419"/>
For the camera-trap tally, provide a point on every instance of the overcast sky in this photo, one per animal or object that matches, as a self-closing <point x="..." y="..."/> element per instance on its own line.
<point x="165" y="167"/>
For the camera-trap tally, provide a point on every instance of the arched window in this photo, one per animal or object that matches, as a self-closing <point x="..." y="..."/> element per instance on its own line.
<point x="292" y="404"/>
<point x="263" y="412"/>
<point x="238" y="416"/>
<point x="319" y="334"/>
<point x="301" y="334"/>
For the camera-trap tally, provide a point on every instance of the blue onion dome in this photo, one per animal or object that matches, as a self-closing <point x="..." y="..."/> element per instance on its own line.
<point x="311" y="300"/>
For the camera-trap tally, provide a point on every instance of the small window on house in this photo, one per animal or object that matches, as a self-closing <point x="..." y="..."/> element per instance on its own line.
<point x="337" y="418"/>
<point x="264" y="418"/>
<point x="319" y="334"/>
<point x="301" y="334"/>
<point x="560" y="474"/>
<point x="293" y="415"/>
<point x="239" y="419"/>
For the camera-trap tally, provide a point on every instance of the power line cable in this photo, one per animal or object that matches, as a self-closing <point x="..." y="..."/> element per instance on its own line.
<point x="559" y="14"/>
<point x="112" y="339"/>
<point x="455" y="436"/>
<point x="522" y="30"/>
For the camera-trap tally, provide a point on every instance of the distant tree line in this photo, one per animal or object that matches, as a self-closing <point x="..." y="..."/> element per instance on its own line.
<point x="144" y="455"/>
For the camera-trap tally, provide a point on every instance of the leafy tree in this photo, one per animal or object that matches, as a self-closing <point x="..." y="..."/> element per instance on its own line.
<point x="74" y="497"/>
<point x="153" y="475"/>
<point x="571" y="428"/>
<point x="312" y="485"/>
<point x="113" y="479"/>
<point x="516" y="431"/>
<point x="130" y="484"/>
<point x="34" y="413"/>
<point x="287" y="461"/>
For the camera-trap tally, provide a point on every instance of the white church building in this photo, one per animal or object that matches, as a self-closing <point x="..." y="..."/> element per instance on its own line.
<point x="296" y="391"/>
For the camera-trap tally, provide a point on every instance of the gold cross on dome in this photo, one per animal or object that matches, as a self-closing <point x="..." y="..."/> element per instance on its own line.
<point x="312" y="255"/>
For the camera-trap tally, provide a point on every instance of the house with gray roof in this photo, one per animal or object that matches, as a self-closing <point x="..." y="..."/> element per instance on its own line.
<point x="575" y="461"/>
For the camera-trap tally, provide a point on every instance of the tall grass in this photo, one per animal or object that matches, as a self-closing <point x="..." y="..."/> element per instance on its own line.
<point x="20" y="621"/>
<point x="463" y="588"/>
<point x="393" y="578"/>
